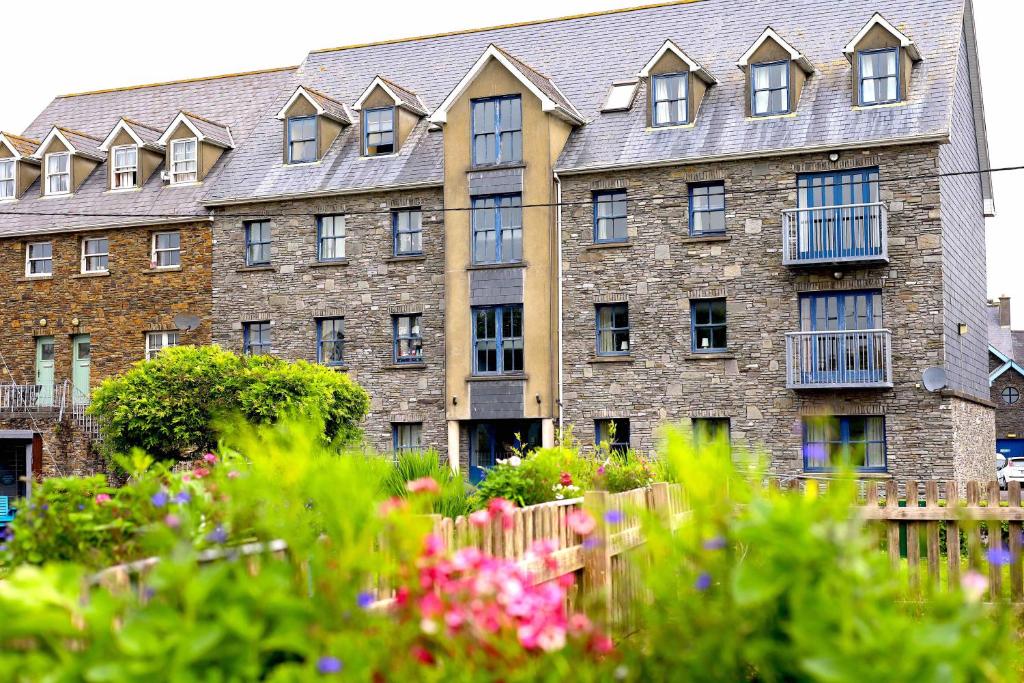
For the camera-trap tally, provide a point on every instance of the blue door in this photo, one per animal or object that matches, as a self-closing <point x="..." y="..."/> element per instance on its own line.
<point x="839" y="221"/>
<point x="1010" y="448"/>
<point x="499" y="440"/>
<point x="842" y="353"/>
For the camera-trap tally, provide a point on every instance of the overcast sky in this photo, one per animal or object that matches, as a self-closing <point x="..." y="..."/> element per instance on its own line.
<point x="254" y="35"/>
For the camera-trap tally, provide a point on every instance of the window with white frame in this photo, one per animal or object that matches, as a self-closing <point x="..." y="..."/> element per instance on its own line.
<point x="7" y="185"/>
<point x="126" y="167"/>
<point x="157" y="341"/>
<point x="39" y="259"/>
<point x="95" y="255"/>
<point x="184" y="161"/>
<point x="330" y="238"/>
<point x="58" y="173"/>
<point x="166" y="250"/>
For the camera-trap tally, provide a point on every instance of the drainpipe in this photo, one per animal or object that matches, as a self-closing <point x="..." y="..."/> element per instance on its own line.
<point x="558" y="252"/>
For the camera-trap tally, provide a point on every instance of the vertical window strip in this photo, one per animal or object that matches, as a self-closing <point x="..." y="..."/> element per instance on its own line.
<point x="408" y="339"/>
<point x="95" y="255"/>
<point x="498" y="340"/>
<point x="879" y="76"/>
<point x="497" y="229"/>
<point x="613" y="329"/>
<point x="157" y="341"/>
<point x="166" y="250"/>
<point x="615" y="432"/>
<point x="256" y="338"/>
<point x="7" y="179"/>
<point x="833" y="441"/>
<point x="302" y="141"/>
<point x="39" y="259"/>
<point x="497" y="130"/>
<point x="670" y="99"/>
<point x="407" y="436"/>
<point x="708" y="321"/>
<point x="770" y="88"/>
<point x="257" y="243"/>
<point x="126" y="167"/>
<point x="184" y="161"/>
<point x="58" y="173"/>
<point x="330" y="238"/>
<point x="610" y="216"/>
<point x="379" y="131"/>
<point x="408" y="229"/>
<point x="330" y="341"/>
<point x="707" y="209"/>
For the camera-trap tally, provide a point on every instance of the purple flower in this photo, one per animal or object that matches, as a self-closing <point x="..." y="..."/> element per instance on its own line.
<point x="999" y="556"/>
<point x="591" y="543"/>
<point x="159" y="499"/>
<point x="3" y="547"/>
<point x="614" y="517"/>
<point x="218" y="535"/>
<point x="703" y="581"/>
<point x="364" y="600"/>
<point x="172" y="520"/>
<point x="6" y="533"/>
<point x="81" y="507"/>
<point x="716" y="543"/>
<point x="328" y="665"/>
<point x="44" y="507"/>
<point x="183" y="497"/>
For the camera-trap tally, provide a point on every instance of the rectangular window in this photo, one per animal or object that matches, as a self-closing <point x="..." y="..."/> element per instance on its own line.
<point x="879" y="76"/>
<point x="330" y="341"/>
<point x="330" y="238"/>
<point x="408" y="225"/>
<point x="166" y="250"/>
<point x="184" y="161"/>
<point x="156" y="341"/>
<point x="257" y="243"/>
<point x="498" y="340"/>
<point x="39" y="259"/>
<point x="256" y="338"/>
<point x="670" y="91"/>
<point x="126" y="167"/>
<point x="407" y="436"/>
<point x="408" y="339"/>
<point x="497" y="130"/>
<point x="95" y="255"/>
<point x="836" y="441"/>
<point x="707" y="209"/>
<point x="379" y="131"/>
<point x="770" y="85"/>
<point x="7" y="184"/>
<point x="58" y="173"/>
<point x="708" y="319"/>
<point x="614" y="432"/>
<point x="301" y="139"/>
<point x="610" y="216"/>
<point x="612" y="329"/>
<point x="498" y="229"/>
<point x="709" y="431"/>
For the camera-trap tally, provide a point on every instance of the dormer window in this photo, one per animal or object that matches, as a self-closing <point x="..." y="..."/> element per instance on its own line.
<point x="677" y="85"/>
<point x="879" y="76"/>
<point x="670" y="99"/>
<point x="58" y="173"/>
<point x="379" y="131"/>
<point x="126" y="167"/>
<point x="497" y="130"/>
<point x="770" y="84"/>
<point x="882" y="58"/>
<point x="301" y="139"/>
<point x="7" y="184"/>
<point x="184" y="161"/>
<point x="775" y="73"/>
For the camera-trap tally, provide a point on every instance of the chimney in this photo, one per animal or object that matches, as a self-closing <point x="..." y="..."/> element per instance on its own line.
<point x="1004" y="311"/>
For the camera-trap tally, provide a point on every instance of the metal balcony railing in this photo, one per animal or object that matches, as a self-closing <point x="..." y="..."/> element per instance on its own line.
<point x="839" y="359"/>
<point x="835" y="234"/>
<point x="29" y="398"/>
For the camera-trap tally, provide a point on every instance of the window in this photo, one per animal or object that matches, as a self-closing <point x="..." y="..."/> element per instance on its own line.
<point x="612" y="329"/>
<point x="301" y="139"/>
<point x="58" y="173"/>
<point x="408" y="226"/>
<point x="156" y="341"/>
<point x="256" y="338"/>
<point x="498" y="340"/>
<point x="257" y="243"/>
<point x="614" y="432"/>
<point x="497" y="130"/>
<point x="879" y="76"/>
<point x="330" y="341"/>
<point x="857" y="441"/>
<point x="498" y="229"/>
<point x="707" y="209"/>
<point x="708" y="317"/>
<point x="126" y="167"/>
<point x="379" y="131"/>
<point x="184" y="161"/>
<point x="610" y="216"/>
<point x="330" y="238"/>
<point x="770" y="83"/>
<point x="620" y="97"/>
<point x="407" y="436"/>
<point x="670" y="91"/>
<point x="408" y="339"/>
<point x="710" y="430"/>
<point x="95" y="255"/>
<point x="7" y="185"/>
<point x="39" y="259"/>
<point x="166" y="250"/>
<point x="1010" y="395"/>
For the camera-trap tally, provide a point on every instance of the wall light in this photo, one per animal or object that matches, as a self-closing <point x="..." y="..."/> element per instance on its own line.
<point x="833" y="157"/>
<point x="961" y="329"/>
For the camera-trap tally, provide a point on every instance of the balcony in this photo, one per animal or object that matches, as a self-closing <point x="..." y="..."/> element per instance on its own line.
<point x="854" y="359"/>
<point x="850" y="233"/>
<point x="21" y="399"/>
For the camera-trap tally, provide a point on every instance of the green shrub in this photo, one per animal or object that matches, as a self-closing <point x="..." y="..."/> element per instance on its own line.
<point x="452" y="501"/>
<point x="172" y="405"/>
<point x="535" y="477"/>
<point x="622" y="472"/>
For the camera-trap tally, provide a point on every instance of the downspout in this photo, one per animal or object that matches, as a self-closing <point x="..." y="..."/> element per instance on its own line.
<point x="558" y="252"/>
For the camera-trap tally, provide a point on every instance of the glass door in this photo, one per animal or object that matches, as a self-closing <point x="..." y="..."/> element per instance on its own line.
<point x="44" y="371"/>
<point x="837" y="219"/>
<point x="81" y="350"/>
<point x="843" y="352"/>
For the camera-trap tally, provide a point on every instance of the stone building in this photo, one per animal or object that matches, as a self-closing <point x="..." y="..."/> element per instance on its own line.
<point x="1006" y="377"/>
<point x="768" y="232"/>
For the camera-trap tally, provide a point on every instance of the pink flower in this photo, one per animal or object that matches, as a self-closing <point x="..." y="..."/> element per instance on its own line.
<point x="581" y="522"/>
<point x="423" y="485"/>
<point x="974" y="585"/>
<point x="210" y="458"/>
<point x="602" y="645"/>
<point x="480" y="518"/>
<point x="102" y="498"/>
<point x="421" y="655"/>
<point x="233" y="474"/>
<point x="200" y="472"/>
<point x="565" y="479"/>
<point x="172" y="520"/>
<point x="433" y="545"/>
<point x="579" y="623"/>
<point x="505" y="508"/>
<point x="186" y="477"/>
<point x="600" y="470"/>
<point x="390" y="505"/>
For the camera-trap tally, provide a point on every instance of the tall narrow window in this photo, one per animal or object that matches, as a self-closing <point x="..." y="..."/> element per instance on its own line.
<point x="257" y="243"/>
<point x="7" y="183"/>
<point x="707" y="209"/>
<point x="256" y="338"/>
<point x="670" y="93"/>
<point x="95" y="255"/>
<point x="407" y="436"/>
<point x="330" y="341"/>
<point x="301" y="139"/>
<point x="408" y="339"/>
<point x="498" y="229"/>
<point x="166" y="250"/>
<point x="157" y="341"/>
<point x="879" y="76"/>
<point x="708" y="431"/>
<point x="835" y="441"/>
<point x="498" y="340"/>
<point x="612" y="329"/>
<point x="126" y="167"/>
<point x="708" y="320"/>
<point x="408" y="226"/>
<point x="497" y="130"/>
<point x="39" y="259"/>
<point x="614" y="432"/>
<point x="58" y="173"/>
<point x="770" y="86"/>
<point x="330" y="238"/>
<point x="379" y="131"/>
<point x="610" y="216"/>
<point x="184" y="161"/>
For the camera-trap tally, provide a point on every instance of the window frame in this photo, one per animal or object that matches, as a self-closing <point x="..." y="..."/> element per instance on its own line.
<point x="860" y="77"/>
<point x="116" y="171"/>
<point x="13" y="180"/>
<point x="29" y="259"/>
<point x="365" y="120"/>
<point x="86" y="256"/>
<point x="599" y="330"/>
<point x="397" y="231"/>
<point x="165" y="338"/>
<point x="320" y="341"/>
<point x="694" y="326"/>
<point x="514" y="156"/>
<point x="48" y="175"/>
<point x="416" y="321"/>
<point x="609" y="197"/>
<point x="499" y="339"/>
<point x="699" y="426"/>
<point x="321" y="239"/>
<point x="265" y="347"/>
<point x="396" y="430"/>
<point x="707" y="212"/>
<point x="685" y="76"/>
<point x="155" y="251"/>
<point x="844" y="434"/>
<point x="174" y="163"/>
<point x="499" y="229"/>
<point x="1010" y="395"/>
<point x="617" y="446"/>
<point x="292" y="141"/>
<point x="249" y="243"/>
<point x="788" y="88"/>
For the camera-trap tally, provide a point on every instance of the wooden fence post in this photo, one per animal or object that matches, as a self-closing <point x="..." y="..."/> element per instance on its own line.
<point x="597" y="557"/>
<point x="660" y="503"/>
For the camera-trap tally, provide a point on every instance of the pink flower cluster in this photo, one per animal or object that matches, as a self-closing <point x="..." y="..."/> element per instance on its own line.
<point x="497" y="508"/>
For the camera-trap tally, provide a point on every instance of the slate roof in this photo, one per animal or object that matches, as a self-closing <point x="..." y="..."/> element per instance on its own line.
<point x="332" y="108"/>
<point x="24" y="146"/>
<point x="408" y="99"/>
<point x="217" y="133"/>
<point x="148" y="134"/>
<point x="84" y="143"/>
<point x="544" y="83"/>
<point x="999" y="337"/>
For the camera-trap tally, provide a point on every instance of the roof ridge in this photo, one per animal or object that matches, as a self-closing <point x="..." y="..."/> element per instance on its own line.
<point x="180" y="81"/>
<point x="531" y="67"/>
<point x="203" y="118"/>
<point x="497" y="27"/>
<point x="64" y="129"/>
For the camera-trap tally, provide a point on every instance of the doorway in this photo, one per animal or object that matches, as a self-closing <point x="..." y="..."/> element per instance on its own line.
<point x="81" y="351"/>
<point x="44" y="371"/>
<point x="499" y="440"/>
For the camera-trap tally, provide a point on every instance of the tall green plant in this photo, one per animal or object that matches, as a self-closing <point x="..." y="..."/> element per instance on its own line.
<point x="453" y="498"/>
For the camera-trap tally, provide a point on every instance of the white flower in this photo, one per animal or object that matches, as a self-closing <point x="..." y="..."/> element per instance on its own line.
<point x="515" y="461"/>
<point x="428" y="626"/>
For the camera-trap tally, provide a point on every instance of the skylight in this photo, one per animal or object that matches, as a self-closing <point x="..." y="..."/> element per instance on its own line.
<point x="620" y="96"/>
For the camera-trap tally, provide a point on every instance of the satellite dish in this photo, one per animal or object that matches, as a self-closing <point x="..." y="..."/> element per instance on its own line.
<point x="934" y="379"/>
<point x="186" y="322"/>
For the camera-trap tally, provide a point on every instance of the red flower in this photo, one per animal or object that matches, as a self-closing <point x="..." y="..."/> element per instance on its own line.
<point x="566" y="479"/>
<point x="423" y="485"/>
<point x="421" y="655"/>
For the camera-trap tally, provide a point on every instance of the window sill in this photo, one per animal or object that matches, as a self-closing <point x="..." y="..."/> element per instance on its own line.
<point x="694" y="239"/>
<point x="339" y="368"/>
<point x="608" y="245"/>
<point x="612" y="359"/>
<point x="33" y="278"/>
<point x="492" y="266"/>
<point x="498" y="378"/>
<point x="79" y="276"/>
<point x="157" y="271"/>
<point x="329" y="264"/>
<point x="406" y="257"/>
<point x="406" y="366"/>
<point x="857" y="475"/>
<point x="495" y="167"/>
<point x="255" y="269"/>
<point x="711" y="355"/>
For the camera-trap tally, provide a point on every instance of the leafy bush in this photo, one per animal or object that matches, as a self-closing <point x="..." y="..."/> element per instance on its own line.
<point x="172" y="405"/>
<point x="623" y="473"/>
<point x="452" y="501"/>
<point x="535" y="477"/>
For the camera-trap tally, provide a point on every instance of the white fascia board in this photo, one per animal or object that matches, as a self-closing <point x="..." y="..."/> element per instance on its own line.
<point x="878" y="20"/>
<point x="299" y="92"/>
<point x="15" y="154"/>
<point x="179" y="119"/>
<point x="693" y="66"/>
<point x="377" y="82"/>
<point x="794" y="54"/>
<point x="54" y="133"/>
<point x="126" y="127"/>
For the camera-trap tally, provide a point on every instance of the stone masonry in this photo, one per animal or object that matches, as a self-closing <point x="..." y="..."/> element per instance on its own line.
<point x="1009" y="418"/>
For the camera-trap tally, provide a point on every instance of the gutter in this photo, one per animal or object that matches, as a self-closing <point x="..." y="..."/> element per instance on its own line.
<point x="558" y="252"/>
<point x="199" y="218"/>
<point x="234" y="201"/>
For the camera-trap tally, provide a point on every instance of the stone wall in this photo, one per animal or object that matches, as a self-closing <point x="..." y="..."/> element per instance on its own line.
<point x="1009" y="419"/>
<point x="67" y="451"/>
<point x="974" y="441"/>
